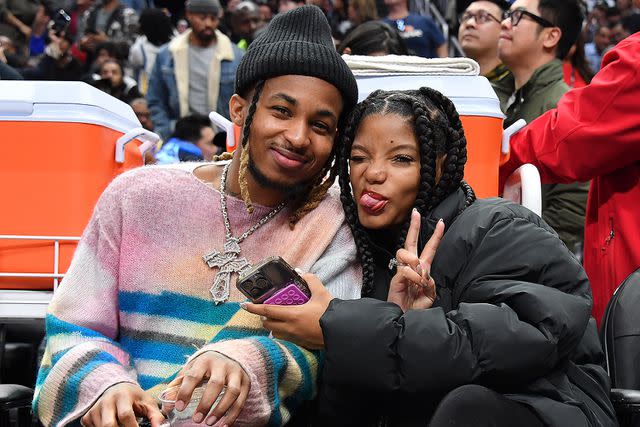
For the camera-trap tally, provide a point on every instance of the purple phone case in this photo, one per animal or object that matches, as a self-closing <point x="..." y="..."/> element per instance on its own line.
<point x="289" y="295"/>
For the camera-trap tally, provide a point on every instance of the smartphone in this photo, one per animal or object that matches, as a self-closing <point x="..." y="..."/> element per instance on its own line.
<point x="61" y="22"/>
<point x="273" y="281"/>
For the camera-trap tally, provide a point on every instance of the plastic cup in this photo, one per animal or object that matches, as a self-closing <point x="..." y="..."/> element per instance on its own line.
<point x="178" y="418"/>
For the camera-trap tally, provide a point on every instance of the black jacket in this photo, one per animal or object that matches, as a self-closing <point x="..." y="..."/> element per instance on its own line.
<point x="512" y="313"/>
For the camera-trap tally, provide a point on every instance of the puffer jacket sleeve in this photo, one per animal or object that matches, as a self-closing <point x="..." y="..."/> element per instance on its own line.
<point x="520" y="302"/>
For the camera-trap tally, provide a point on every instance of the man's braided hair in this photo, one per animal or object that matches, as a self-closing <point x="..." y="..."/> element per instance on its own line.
<point x="440" y="137"/>
<point x="304" y="202"/>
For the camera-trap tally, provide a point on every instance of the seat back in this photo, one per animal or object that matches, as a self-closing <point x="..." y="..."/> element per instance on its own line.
<point x="621" y="334"/>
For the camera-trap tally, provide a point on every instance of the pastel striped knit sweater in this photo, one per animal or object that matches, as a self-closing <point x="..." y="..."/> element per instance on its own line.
<point x="135" y="303"/>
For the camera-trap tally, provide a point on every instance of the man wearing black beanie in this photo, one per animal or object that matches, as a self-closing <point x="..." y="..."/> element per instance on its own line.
<point x="292" y="92"/>
<point x="201" y="226"/>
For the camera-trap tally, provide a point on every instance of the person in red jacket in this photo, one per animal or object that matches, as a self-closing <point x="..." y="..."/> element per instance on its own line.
<point x="594" y="134"/>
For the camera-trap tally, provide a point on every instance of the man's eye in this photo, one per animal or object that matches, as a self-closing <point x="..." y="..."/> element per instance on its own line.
<point x="321" y="125"/>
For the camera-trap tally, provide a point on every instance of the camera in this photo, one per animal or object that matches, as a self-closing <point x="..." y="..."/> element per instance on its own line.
<point x="61" y="21"/>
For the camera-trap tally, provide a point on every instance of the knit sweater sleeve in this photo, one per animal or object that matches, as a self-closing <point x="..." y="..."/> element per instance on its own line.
<point x="283" y="375"/>
<point x="82" y="358"/>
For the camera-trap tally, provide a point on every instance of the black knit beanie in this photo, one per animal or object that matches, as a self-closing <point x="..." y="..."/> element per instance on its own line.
<point x="297" y="42"/>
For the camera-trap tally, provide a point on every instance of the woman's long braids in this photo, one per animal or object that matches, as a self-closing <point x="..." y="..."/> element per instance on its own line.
<point x="439" y="133"/>
<point x="316" y="191"/>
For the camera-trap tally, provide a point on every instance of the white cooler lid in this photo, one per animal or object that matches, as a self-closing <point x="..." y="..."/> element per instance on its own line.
<point x="54" y="101"/>
<point x="472" y="95"/>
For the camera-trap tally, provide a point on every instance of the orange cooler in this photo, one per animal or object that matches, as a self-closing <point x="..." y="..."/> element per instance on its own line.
<point x="62" y="143"/>
<point x="480" y="114"/>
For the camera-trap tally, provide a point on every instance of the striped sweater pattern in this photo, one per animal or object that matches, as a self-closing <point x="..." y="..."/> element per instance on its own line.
<point x="135" y="304"/>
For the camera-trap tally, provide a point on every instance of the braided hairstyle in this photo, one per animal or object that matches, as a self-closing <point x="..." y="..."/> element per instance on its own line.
<point x="307" y="200"/>
<point x="440" y="137"/>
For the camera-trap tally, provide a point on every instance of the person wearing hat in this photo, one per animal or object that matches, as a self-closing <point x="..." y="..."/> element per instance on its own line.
<point x="150" y="300"/>
<point x="195" y="72"/>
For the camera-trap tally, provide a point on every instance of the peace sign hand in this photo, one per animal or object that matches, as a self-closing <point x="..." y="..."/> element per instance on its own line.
<point x="412" y="287"/>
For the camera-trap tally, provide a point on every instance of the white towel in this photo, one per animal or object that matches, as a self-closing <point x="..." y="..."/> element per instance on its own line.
<point x="393" y="65"/>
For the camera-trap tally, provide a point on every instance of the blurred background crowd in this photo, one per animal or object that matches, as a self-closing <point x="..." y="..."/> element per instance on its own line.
<point x="174" y="62"/>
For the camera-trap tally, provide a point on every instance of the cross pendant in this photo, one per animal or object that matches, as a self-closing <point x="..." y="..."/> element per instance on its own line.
<point x="228" y="262"/>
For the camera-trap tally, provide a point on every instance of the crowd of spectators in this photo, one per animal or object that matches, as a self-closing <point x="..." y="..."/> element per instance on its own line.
<point x="182" y="56"/>
<point x="115" y="44"/>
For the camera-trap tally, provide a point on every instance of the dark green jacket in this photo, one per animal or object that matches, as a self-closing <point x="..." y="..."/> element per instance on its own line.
<point x="563" y="205"/>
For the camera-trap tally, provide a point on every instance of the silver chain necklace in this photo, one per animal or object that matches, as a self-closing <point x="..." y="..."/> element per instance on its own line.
<point x="229" y="261"/>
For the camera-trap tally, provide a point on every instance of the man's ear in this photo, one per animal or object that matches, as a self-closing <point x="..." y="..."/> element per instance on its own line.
<point x="238" y="109"/>
<point x="552" y="38"/>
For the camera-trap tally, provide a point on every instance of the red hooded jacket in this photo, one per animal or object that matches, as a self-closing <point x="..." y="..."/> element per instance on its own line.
<point x="594" y="134"/>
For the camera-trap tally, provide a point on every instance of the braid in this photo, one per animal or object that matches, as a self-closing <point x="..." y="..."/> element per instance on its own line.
<point x="244" y="156"/>
<point x="470" y="195"/>
<point x="316" y="194"/>
<point x="453" y="169"/>
<point x="360" y="236"/>
<point x="223" y="156"/>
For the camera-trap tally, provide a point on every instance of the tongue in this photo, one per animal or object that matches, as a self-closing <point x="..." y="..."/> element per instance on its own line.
<point x="371" y="203"/>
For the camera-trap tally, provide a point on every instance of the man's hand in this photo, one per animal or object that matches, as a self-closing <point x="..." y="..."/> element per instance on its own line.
<point x="120" y="404"/>
<point x="412" y="287"/>
<point x="299" y="324"/>
<point x="218" y="371"/>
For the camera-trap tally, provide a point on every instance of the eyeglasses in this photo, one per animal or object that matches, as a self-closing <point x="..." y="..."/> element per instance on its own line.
<point x="517" y="14"/>
<point x="481" y="17"/>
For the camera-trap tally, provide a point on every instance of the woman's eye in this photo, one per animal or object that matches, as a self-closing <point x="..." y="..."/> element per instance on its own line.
<point x="403" y="158"/>
<point x="357" y="159"/>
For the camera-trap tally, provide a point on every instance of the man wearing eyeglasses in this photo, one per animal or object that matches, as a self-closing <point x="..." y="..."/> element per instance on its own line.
<point x="478" y="34"/>
<point x="536" y="35"/>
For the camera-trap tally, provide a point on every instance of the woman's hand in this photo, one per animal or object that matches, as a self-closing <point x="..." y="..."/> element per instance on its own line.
<point x="219" y="372"/>
<point x="299" y="324"/>
<point x="413" y="287"/>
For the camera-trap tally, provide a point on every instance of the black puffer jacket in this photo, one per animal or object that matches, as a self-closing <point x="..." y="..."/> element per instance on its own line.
<point x="513" y="314"/>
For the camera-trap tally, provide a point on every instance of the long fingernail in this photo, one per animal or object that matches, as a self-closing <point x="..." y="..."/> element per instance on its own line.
<point x="197" y="418"/>
<point x="211" y="420"/>
<point x="179" y="405"/>
<point x="243" y="305"/>
<point x="419" y="269"/>
<point x="441" y="220"/>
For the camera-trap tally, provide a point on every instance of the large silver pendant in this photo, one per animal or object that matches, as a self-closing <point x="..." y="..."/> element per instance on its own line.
<point x="229" y="262"/>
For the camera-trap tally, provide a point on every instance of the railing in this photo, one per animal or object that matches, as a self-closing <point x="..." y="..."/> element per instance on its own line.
<point x="455" y="50"/>
<point x="55" y="275"/>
